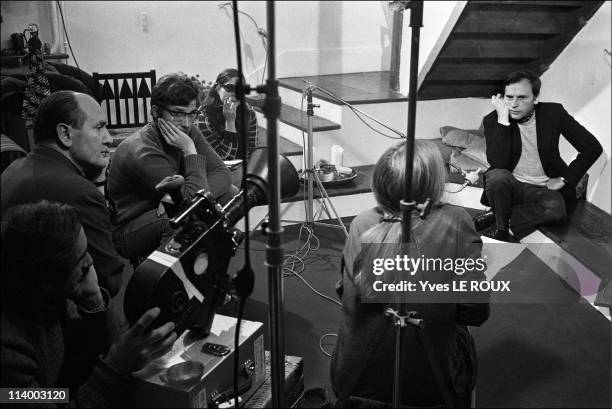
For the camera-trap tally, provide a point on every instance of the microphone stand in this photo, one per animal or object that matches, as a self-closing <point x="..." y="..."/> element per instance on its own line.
<point x="402" y="318"/>
<point x="274" y="251"/>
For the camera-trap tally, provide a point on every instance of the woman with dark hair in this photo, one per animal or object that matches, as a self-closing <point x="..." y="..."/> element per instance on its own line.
<point x="48" y="283"/>
<point x="222" y="126"/>
<point x="363" y="361"/>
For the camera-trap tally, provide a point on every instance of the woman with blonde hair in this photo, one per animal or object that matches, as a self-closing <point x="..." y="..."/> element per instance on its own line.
<point x="363" y="361"/>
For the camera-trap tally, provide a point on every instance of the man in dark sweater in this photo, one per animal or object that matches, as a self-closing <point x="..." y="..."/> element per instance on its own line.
<point x="169" y="145"/>
<point x="528" y="184"/>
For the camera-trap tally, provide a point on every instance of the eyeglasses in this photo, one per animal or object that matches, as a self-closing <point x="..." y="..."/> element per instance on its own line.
<point x="180" y="116"/>
<point x="229" y="87"/>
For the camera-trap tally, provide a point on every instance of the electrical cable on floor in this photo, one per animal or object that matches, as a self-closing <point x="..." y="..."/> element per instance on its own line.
<point x="471" y="178"/>
<point x="289" y="267"/>
<point x="458" y="190"/>
<point x="297" y="256"/>
<point x="317" y="292"/>
<point x="329" y="334"/>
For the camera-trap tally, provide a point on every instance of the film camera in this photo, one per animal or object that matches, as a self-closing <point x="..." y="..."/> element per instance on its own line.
<point x="186" y="277"/>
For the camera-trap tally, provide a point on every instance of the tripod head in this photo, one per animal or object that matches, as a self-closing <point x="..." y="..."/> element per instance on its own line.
<point x="308" y="93"/>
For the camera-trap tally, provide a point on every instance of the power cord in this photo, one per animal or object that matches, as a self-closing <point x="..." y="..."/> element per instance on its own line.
<point x="329" y="334"/>
<point x="357" y="113"/>
<point x="289" y="269"/>
<point x="260" y="31"/>
<point x="471" y="178"/>
<point x="59" y="6"/>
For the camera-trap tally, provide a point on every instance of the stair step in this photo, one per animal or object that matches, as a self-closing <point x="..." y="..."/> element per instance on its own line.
<point x="292" y="117"/>
<point x="354" y="88"/>
<point x="285" y="146"/>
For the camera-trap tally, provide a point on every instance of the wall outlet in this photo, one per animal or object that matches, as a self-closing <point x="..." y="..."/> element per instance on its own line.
<point x="144" y="22"/>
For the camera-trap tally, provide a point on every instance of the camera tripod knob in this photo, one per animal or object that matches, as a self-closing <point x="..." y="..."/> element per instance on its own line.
<point x="264" y="227"/>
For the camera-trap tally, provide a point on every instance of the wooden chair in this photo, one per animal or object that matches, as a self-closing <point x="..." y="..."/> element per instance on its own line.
<point x="126" y="98"/>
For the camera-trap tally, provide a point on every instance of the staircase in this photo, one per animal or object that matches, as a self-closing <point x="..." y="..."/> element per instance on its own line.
<point x="493" y="38"/>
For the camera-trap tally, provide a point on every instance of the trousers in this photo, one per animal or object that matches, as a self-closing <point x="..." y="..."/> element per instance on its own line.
<point x="523" y="206"/>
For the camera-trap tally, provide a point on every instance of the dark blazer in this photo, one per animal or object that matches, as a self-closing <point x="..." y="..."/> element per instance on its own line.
<point x="552" y="120"/>
<point x="47" y="174"/>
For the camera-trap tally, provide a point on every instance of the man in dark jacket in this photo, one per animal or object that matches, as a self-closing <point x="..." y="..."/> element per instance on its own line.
<point x="72" y="148"/>
<point x="528" y="184"/>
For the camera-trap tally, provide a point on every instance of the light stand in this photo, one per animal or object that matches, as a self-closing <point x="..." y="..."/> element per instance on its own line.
<point x="311" y="175"/>
<point x="400" y="316"/>
<point x="274" y="251"/>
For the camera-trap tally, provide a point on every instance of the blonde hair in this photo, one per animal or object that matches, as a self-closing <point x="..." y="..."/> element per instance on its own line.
<point x="388" y="181"/>
<point x="428" y="175"/>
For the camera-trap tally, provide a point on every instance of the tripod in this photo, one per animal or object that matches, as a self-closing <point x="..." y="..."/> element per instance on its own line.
<point x="311" y="177"/>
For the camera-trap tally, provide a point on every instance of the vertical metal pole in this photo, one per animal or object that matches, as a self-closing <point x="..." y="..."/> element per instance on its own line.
<point x="407" y="204"/>
<point x="396" y="50"/>
<point x="309" y="158"/>
<point x="274" y="251"/>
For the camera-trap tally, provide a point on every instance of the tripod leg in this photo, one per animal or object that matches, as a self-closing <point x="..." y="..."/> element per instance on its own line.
<point x="325" y="196"/>
<point x="321" y="208"/>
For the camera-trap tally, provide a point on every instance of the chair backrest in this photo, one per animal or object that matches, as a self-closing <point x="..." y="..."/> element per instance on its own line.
<point x="125" y="96"/>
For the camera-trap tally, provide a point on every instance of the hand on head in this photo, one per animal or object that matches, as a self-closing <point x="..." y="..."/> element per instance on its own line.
<point x="174" y="136"/>
<point x="139" y="345"/>
<point x="498" y="102"/>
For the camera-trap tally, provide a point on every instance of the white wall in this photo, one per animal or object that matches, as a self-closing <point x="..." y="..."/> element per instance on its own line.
<point x="580" y="79"/>
<point x="331" y="37"/>
<point x="313" y="37"/>
<point x="194" y="37"/>
<point x="17" y="15"/>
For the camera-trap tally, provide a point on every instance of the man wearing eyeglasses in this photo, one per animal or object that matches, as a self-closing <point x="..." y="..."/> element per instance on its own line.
<point x="169" y="145"/>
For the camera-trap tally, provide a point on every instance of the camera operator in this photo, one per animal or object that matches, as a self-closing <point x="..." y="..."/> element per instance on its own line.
<point x="49" y="283"/>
